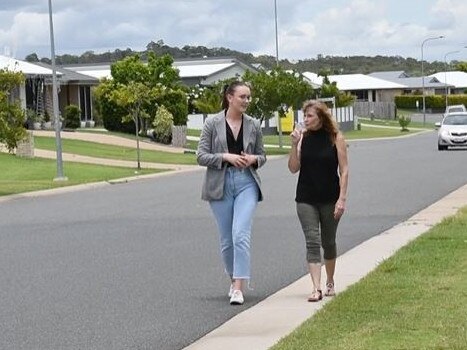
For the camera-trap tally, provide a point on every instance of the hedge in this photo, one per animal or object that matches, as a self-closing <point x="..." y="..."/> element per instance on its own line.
<point x="431" y="101"/>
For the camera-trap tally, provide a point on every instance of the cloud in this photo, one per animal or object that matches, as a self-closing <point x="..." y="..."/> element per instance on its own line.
<point x="306" y="28"/>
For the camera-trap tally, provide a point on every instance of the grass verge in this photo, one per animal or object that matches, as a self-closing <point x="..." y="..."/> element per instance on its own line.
<point x="99" y="150"/>
<point x="417" y="299"/>
<point x="18" y="175"/>
<point x="395" y="123"/>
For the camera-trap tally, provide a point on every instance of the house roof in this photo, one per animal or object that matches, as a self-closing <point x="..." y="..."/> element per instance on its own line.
<point x="456" y="78"/>
<point x="315" y="80"/>
<point x="355" y="82"/>
<point x="29" y="69"/>
<point x="202" y="69"/>
<point x="416" y="82"/>
<point x="188" y="68"/>
<point x="71" y="77"/>
<point x="403" y="78"/>
<point x="389" y="75"/>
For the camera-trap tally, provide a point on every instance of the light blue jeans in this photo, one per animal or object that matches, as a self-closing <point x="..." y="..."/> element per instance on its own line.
<point x="234" y="217"/>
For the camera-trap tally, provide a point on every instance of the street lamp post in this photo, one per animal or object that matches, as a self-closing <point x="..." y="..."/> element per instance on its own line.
<point x="277" y="37"/>
<point x="423" y="76"/>
<point x="58" y="142"/>
<point x="279" y="122"/>
<point x="445" y="72"/>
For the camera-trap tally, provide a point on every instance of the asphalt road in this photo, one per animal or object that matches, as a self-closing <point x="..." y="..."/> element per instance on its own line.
<point x="136" y="265"/>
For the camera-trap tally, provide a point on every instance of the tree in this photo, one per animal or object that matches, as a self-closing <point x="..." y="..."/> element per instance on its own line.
<point x="132" y="98"/>
<point x="207" y="100"/>
<point x="158" y="75"/>
<point x="12" y="116"/>
<point x="462" y="66"/>
<point x="32" y="57"/>
<point x="276" y="91"/>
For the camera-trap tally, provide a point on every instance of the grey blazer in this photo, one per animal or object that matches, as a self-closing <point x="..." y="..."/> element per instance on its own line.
<point x="213" y="142"/>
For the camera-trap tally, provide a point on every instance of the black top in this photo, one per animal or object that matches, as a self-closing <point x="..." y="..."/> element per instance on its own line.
<point x="235" y="146"/>
<point x="318" y="182"/>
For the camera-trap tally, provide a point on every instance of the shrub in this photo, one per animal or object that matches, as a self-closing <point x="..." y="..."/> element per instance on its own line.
<point x="163" y="125"/>
<point x="109" y="111"/>
<point x="176" y="103"/>
<point x="404" y="122"/>
<point x="72" y="115"/>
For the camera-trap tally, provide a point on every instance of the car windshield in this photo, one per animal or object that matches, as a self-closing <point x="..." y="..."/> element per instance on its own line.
<point x="455" y="109"/>
<point x="455" y="120"/>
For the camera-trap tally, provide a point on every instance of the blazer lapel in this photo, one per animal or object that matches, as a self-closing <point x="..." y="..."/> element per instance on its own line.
<point x="221" y="132"/>
<point x="247" y="131"/>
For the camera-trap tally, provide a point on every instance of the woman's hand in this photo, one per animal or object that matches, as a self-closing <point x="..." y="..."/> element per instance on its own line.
<point x="295" y="136"/>
<point x="250" y="159"/>
<point x="240" y="160"/>
<point x="339" y="208"/>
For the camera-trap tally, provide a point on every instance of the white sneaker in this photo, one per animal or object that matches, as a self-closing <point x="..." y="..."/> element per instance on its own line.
<point x="236" y="298"/>
<point x="231" y="289"/>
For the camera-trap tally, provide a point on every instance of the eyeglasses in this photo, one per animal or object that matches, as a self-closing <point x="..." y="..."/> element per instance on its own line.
<point x="245" y="98"/>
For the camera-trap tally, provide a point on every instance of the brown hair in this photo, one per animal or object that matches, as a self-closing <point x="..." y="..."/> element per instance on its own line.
<point x="324" y="114"/>
<point x="229" y="89"/>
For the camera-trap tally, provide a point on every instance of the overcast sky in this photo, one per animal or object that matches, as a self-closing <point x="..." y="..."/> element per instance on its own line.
<point x="305" y="28"/>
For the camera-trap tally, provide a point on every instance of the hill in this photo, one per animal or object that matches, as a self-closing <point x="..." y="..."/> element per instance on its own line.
<point x="330" y="64"/>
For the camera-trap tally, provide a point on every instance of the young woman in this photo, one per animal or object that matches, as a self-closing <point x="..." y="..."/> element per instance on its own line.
<point x="319" y="152"/>
<point x="231" y="148"/>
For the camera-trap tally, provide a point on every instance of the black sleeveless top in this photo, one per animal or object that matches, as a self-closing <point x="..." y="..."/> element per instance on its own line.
<point x="318" y="181"/>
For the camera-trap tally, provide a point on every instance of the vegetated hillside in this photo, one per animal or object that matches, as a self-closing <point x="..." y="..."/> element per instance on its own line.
<point x="320" y="64"/>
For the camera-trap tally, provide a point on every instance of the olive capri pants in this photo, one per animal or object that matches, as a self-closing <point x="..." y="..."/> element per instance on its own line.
<point x="319" y="228"/>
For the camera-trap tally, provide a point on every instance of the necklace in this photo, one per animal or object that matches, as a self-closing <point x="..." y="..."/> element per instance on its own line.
<point x="234" y="124"/>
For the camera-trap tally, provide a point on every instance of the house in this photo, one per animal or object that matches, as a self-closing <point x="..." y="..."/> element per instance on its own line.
<point x="457" y="81"/>
<point x="75" y="88"/>
<point x="34" y="94"/>
<point x="202" y="71"/>
<point x="363" y="87"/>
<point x="207" y="71"/>
<point x="430" y="84"/>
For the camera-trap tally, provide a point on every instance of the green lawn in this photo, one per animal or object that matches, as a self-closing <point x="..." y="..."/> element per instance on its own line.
<point x="416" y="299"/>
<point x="395" y="123"/>
<point x="19" y="175"/>
<point x="94" y="149"/>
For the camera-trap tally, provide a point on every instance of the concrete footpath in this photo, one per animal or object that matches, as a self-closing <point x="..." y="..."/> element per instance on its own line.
<point x="264" y="324"/>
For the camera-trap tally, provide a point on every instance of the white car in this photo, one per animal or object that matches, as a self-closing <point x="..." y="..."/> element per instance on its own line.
<point x="452" y="131"/>
<point x="455" y="109"/>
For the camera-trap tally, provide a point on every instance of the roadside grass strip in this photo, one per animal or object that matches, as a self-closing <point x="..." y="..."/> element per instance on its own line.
<point x="417" y="299"/>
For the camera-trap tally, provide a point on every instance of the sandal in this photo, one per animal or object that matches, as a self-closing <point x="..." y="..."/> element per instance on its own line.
<point x="317" y="295"/>
<point x="330" y="291"/>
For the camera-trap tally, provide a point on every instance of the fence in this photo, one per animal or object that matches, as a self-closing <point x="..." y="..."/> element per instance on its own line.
<point x="381" y="110"/>
<point x="344" y="117"/>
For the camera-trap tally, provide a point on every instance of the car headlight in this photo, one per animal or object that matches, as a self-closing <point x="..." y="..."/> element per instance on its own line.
<point x="445" y="133"/>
